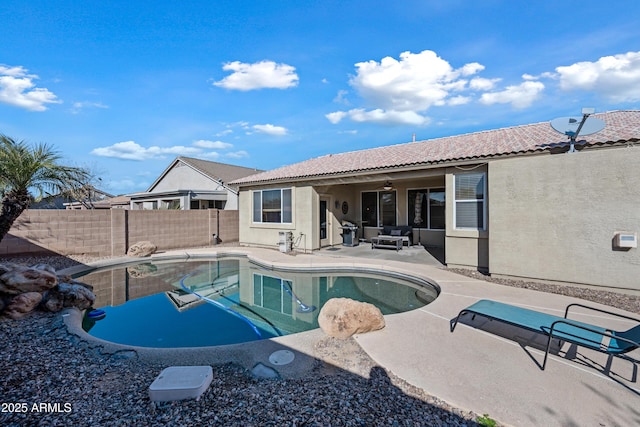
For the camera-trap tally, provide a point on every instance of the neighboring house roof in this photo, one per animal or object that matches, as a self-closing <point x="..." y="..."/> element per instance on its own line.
<point x="221" y="172"/>
<point x="91" y="195"/>
<point x="620" y="127"/>
<point x="120" y="200"/>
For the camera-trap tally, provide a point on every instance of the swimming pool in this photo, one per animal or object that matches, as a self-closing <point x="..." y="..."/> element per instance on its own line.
<point x="230" y="300"/>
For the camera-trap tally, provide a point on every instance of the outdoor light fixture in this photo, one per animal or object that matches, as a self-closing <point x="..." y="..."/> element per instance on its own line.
<point x="387" y="186"/>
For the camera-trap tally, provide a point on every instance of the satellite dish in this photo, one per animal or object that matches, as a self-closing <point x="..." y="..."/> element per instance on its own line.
<point x="574" y="126"/>
<point x="570" y="125"/>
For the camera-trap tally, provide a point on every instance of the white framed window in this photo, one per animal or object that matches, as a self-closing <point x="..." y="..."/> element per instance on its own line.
<point x="272" y="206"/>
<point x="470" y="201"/>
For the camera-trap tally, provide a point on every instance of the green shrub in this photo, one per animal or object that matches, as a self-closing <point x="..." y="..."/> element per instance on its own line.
<point x="486" y="421"/>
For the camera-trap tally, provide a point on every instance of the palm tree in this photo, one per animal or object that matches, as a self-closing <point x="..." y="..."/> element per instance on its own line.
<point x="24" y="169"/>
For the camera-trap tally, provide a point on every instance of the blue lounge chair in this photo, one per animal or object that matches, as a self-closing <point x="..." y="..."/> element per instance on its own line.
<point x="562" y="328"/>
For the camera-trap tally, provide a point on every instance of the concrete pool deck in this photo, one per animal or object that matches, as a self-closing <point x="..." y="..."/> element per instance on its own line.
<point x="483" y="366"/>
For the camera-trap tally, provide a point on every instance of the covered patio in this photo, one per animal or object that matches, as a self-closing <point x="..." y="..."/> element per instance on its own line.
<point x="433" y="256"/>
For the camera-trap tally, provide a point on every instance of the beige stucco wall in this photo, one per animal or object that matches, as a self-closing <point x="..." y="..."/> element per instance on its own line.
<point x="554" y="217"/>
<point x="304" y="201"/>
<point x="184" y="177"/>
<point x="465" y="248"/>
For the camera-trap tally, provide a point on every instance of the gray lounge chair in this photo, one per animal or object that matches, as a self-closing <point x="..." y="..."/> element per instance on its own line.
<point x="562" y="328"/>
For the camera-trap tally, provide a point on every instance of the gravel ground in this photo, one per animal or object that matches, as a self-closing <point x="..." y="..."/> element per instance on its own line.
<point x="619" y="300"/>
<point x="79" y="385"/>
<point x="50" y="377"/>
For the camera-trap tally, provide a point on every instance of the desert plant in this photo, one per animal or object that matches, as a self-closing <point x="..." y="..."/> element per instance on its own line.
<point x="24" y="169"/>
<point x="486" y="421"/>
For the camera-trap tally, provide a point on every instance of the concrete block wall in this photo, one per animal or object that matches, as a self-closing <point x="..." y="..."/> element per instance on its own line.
<point x="111" y="232"/>
<point x="170" y="229"/>
<point x="228" y="226"/>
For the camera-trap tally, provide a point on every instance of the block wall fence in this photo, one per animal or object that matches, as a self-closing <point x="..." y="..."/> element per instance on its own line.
<point x="111" y="232"/>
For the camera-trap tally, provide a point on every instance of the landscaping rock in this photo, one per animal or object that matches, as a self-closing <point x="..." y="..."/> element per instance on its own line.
<point x="343" y="317"/>
<point x="22" y="304"/>
<point x="44" y="267"/>
<point x="7" y="266"/>
<point x="69" y="295"/>
<point x="142" y="249"/>
<point x="23" y="288"/>
<point x="26" y="279"/>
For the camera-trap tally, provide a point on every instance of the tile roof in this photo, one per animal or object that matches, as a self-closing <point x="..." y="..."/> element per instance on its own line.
<point x="620" y="126"/>
<point x="222" y="172"/>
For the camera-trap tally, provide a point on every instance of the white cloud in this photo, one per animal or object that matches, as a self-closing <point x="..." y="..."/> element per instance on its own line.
<point x="79" y="106"/>
<point x="129" y="150"/>
<point x="224" y="132"/>
<point x="218" y="145"/>
<point x="414" y="83"/>
<point x="271" y="129"/>
<point x="341" y="97"/>
<point x="336" y="116"/>
<point x="520" y="96"/>
<point x="237" y="154"/>
<point x="259" y="75"/>
<point x="459" y="100"/>
<point x="401" y="91"/>
<point x="615" y="77"/>
<point x="480" y="83"/>
<point x="202" y="148"/>
<point x="17" y="88"/>
<point x="378" y="115"/>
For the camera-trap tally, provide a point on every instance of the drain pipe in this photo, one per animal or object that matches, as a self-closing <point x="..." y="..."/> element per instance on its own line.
<point x="296" y="244"/>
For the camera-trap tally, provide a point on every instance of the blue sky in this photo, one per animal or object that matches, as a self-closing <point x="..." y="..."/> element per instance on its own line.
<point x="123" y="87"/>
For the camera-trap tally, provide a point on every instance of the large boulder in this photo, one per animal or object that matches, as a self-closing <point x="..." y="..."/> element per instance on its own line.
<point x="22" y="279"/>
<point x="23" y="304"/>
<point x="142" y="249"/>
<point x="68" y="295"/>
<point x="343" y="317"/>
<point x="7" y="266"/>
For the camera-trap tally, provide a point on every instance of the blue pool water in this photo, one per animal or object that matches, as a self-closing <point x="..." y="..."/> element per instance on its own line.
<point x="229" y="301"/>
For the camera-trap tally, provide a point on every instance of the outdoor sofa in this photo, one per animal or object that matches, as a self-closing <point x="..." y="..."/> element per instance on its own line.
<point x="404" y="231"/>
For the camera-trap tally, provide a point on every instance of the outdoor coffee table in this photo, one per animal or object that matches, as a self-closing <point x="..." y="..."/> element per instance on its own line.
<point x="387" y="242"/>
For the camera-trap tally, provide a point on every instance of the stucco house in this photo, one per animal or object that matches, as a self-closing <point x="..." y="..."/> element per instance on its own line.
<point x="189" y="183"/>
<point x="510" y="201"/>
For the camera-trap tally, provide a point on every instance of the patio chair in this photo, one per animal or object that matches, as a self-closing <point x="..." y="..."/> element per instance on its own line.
<point x="561" y="328"/>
